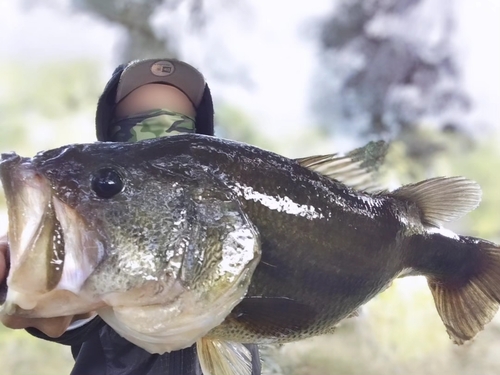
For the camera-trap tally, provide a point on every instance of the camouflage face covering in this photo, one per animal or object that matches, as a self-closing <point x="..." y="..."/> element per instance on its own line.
<point x="152" y="124"/>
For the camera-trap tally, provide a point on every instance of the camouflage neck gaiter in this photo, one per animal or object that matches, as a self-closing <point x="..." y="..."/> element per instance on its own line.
<point x="151" y="124"/>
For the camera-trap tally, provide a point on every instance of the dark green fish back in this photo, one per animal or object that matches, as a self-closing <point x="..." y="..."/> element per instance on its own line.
<point x="326" y="249"/>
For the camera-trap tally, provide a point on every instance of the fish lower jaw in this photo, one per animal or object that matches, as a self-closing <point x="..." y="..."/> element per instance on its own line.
<point x="15" y="300"/>
<point x="55" y="303"/>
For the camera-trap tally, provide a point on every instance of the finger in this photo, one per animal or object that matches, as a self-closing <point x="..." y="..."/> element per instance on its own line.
<point x="3" y="268"/>
<point x="4" y="261"/>
<point x="52" y="327"/>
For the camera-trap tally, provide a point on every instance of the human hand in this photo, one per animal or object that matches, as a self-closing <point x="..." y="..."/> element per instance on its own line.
<point x="52" y="327"/>
<point x="4" y="262"/>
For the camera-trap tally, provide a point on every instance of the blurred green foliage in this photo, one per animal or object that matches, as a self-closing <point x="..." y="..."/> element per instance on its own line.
<point x="40" y="104"/>
<point x="47" y="105"/>
<point x="51" y="90"/>
<point x="22" y="354"/>
<point x="483" y="165"/>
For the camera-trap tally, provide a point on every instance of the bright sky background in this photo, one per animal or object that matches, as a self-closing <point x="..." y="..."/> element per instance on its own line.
<point x="275" y="54"/>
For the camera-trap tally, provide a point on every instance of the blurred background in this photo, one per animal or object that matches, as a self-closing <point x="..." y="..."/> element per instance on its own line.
<point x="298" y="78"/>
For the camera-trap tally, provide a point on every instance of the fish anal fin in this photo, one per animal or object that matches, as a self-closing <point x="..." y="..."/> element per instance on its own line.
<point x="441" y="199"/>
<point x="466" y="305"/>
<point x="219" y="357"/>
<point x="276" y="317"/>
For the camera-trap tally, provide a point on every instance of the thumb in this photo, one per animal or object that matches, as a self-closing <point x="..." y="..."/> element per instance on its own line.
<point x="4" y="254"/>
<point x="52" y="327"/>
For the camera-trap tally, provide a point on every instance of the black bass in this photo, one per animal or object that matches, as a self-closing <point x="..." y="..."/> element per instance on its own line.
<point x="197" y="239"/>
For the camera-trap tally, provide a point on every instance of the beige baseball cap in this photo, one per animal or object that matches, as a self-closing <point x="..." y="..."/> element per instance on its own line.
<point x="169" y="71"/>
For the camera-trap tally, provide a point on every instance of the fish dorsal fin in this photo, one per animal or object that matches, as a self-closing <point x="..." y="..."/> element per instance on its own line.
<point x="442" y="199"/>
<point x="219" y="357"/>
<point x="356" y="169"/>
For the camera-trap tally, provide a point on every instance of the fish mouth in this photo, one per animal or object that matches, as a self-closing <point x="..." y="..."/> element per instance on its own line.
<point x="47" y="248"/>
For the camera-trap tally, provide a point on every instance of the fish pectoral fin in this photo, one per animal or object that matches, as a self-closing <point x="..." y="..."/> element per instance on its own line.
<point x="273" y="316"/>
<point x="441" y="199"/>
<point x="219" y="357"/>
<point x="356" y="169"/>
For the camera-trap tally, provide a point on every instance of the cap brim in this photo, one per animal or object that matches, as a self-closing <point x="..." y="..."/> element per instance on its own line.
<point x="172" y="72"/>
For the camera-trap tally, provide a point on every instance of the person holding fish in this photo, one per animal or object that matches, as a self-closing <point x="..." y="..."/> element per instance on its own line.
<point x="144" y="99"/>
<point x="197" y="239"/>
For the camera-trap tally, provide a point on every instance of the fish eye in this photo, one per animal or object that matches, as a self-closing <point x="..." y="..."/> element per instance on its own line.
<point x="106" y="183"/>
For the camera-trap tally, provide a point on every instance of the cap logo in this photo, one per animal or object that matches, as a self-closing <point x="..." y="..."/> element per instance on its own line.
<point x="162" y="68"/>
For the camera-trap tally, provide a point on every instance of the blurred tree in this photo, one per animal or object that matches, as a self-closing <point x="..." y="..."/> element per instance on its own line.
<point x="388" y="66"/>
<point x="142" y="39"/>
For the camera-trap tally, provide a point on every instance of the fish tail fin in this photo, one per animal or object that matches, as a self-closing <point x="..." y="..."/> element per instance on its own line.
<point x="469" y="300"/>
<point x="219" y="357"/>
<point x="463" y="273"/>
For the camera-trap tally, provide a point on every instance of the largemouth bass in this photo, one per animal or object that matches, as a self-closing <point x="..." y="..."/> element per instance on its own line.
<point x="197" y="239"/>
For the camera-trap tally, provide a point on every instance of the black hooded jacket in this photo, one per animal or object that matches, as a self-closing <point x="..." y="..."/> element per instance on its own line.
<point x="98" y="349"/>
